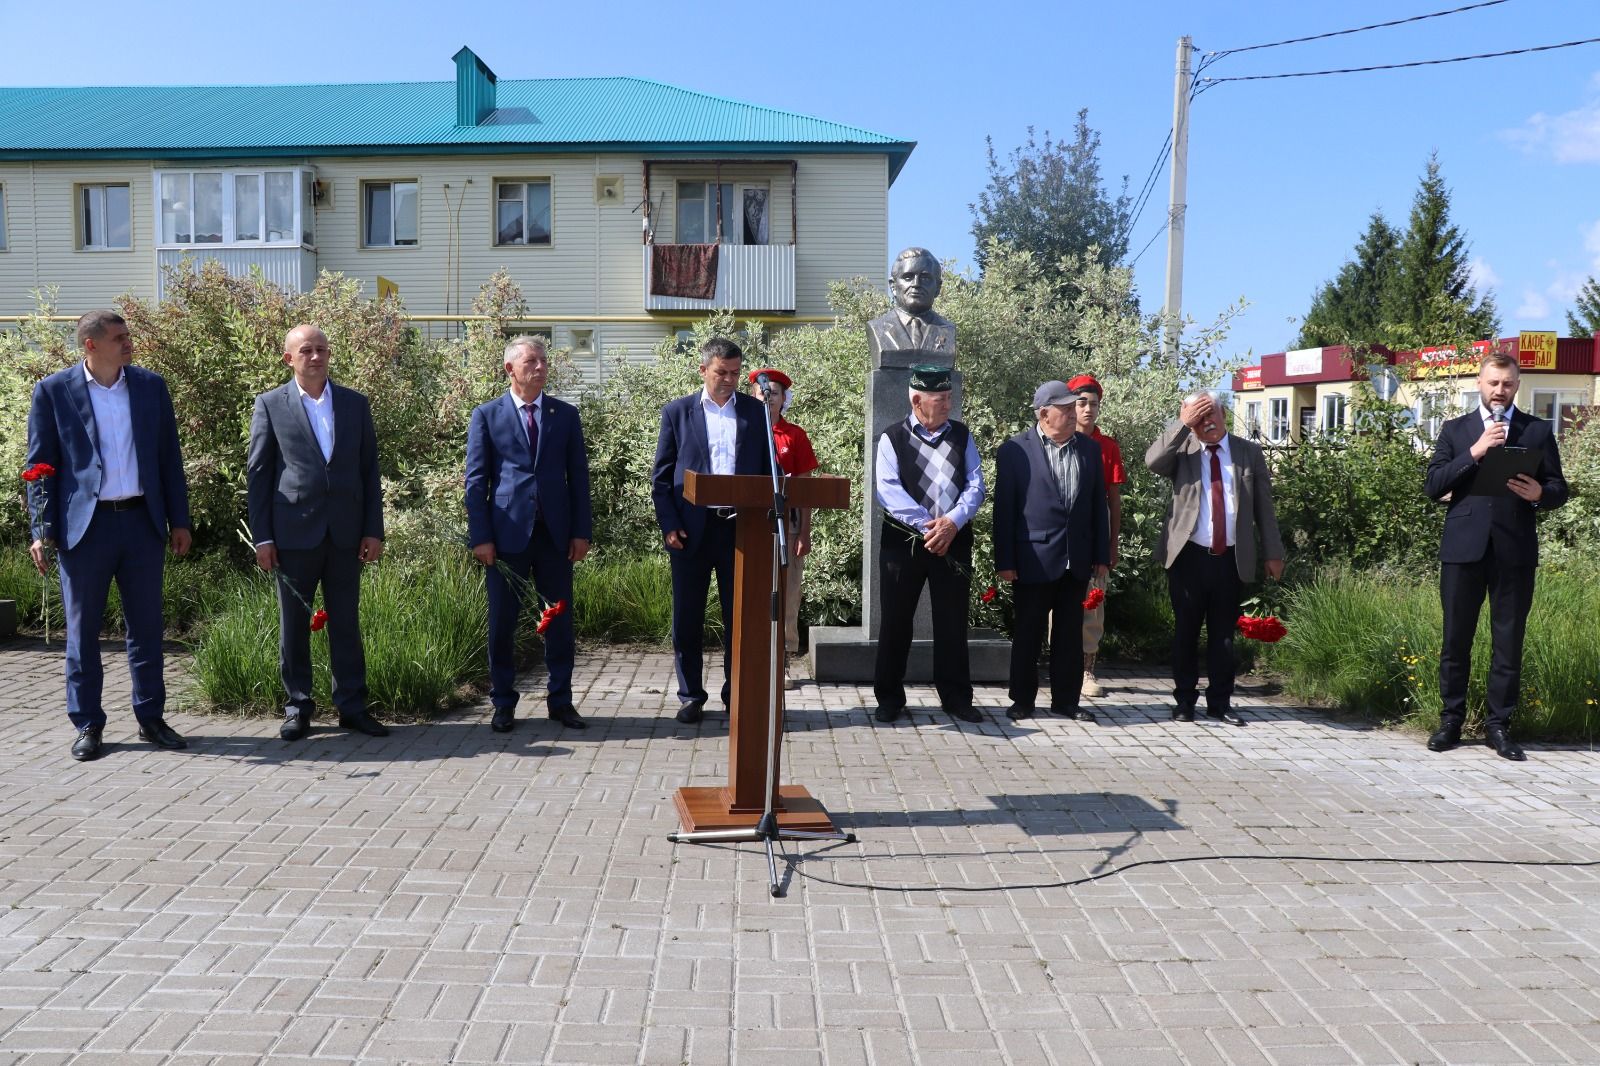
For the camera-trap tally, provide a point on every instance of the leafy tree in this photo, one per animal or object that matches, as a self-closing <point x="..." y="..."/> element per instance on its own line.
<point x="1050" y="201"/>
<point x="1347" y="310"/>
<point x="1432" y="262"/>
<point x="1584" y="319"/>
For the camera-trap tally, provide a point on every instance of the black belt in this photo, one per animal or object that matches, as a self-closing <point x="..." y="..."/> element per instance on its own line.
<point x="120" y="505"/>
<point x="724" y="513"/>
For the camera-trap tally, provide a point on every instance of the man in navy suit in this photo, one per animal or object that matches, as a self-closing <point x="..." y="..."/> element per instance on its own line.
<point x="528" y="510"/>
<point x="718" y="430"/>
<point x="316" y="516"/>
<point x="117" y="500"/>
<point x="1490" y="545"/>
<point x="1052" y="532"/>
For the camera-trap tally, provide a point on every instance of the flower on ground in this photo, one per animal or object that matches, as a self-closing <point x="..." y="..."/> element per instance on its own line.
<point x="1095" y="598"/>
<point x="319" y="620"/>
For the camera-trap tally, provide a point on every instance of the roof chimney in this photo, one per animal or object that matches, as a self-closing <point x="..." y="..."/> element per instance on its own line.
<point x="475" y="89"/>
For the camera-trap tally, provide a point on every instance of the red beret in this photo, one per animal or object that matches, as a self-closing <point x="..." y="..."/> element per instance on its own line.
<point x="1084" y="383"/>
<point x="776" y="376"/>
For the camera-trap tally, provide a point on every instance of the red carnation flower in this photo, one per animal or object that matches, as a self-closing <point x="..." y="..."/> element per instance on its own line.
<point x="45" y="469"/>
<point x="319" y="620"/>
<point x="1268" y="630"/>
<point x="1095" y="598"/>
<point x="544" y="624"/>
<point x="989" y="594"/>
<point x="31" y="474"/>
<point x="560" y="607"/>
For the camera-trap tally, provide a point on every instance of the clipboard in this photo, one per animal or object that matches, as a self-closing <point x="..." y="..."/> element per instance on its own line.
<point x="1500" y="465"/>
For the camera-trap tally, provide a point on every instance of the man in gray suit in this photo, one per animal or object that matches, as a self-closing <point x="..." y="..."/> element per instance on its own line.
<point x="316" y="515"/>
<point x="1221" y="502"/>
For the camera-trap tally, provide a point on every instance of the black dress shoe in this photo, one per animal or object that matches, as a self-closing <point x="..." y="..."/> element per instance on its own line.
<point x="887" y="714"/>
<point x="159" y="733"/>
<point x="1183" y="714"/>
<point x="965" y="714"/>
<point x="569" y="717"/>
<point x="1446" y="738"/>
<point x="1017" y="712"/>
<point x="1225" y="716"/>
<point x="362" y="722"/>
<point x="1504" y="746"/>
<point x="87" y="747"/>
<point x="1077" y="714"/>
<point x="504" y="718"/>
<point x="690" y="713"/>
<point x="296" y="723"/>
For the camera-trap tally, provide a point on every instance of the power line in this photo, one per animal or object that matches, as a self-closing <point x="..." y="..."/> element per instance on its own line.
<point x="1148" y="188"/>
<point x="1208" y="82"/>
<point x="1358" y="29"/>
<point x="1134" y="261"/>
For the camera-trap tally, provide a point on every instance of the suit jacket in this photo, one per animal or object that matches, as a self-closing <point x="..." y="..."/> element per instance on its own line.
<point x="1177" y="454"/>
<point x="1473" y="522"/>
<point x="887" y="333"/>
<point x="682" y="445"/>
<point x="61" y="432"/>
<point x="1034" y="533"/>
<point x="295" y="497"/>
<point x="507" y="489"/>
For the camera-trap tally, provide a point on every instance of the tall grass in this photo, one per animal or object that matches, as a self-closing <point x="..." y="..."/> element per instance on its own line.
<point x="193" y="589"/>
<point x="1371" y="642"/>
<point x="629" y="598"/>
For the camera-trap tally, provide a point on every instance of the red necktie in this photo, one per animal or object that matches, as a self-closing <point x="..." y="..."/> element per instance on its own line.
<point x="533" y="432"/>
<point x="1219" y="506"/>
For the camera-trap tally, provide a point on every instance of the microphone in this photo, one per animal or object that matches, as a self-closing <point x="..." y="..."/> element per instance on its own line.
<point x="765" y="383"/>
<point x="1497" y="412"/>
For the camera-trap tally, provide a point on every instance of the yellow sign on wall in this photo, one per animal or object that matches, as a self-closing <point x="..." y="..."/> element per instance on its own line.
<point x="1536" y="350"/>
<point x="387" y="288"/>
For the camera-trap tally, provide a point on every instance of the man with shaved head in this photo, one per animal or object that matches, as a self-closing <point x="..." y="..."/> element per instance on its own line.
<point x="316" y="517"/>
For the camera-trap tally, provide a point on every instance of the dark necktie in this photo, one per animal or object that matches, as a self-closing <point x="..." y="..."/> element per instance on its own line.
<point x="533" y="431"/>
<point x="1219" y="506"/>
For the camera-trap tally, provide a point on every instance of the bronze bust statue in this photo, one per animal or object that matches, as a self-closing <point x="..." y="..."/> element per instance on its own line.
<point x="911" y="331"/>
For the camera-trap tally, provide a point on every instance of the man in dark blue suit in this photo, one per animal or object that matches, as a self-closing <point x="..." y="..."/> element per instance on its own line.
<point x="718" y="430"/>
<point x="528" y="510"/>
<point x="117" y="500"/>
<point x="1490" y="545"/>
<point x="1052" y="532"/>
<point x="316" y="516"/>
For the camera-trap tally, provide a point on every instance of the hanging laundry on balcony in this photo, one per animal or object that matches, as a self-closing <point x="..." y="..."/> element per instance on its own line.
<point x="686" y="270"/>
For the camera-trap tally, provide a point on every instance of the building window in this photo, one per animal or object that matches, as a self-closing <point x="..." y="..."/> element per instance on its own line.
<point x="1432" y="409"/>
<point x="2" y="218"/>
<point x="235" y="207"/>
<point x="1252" y="419"/>
<point x="1278" y="419"/>
<point x="744" y="213"/>
<point x="522" y="212"/>
<point x="1558" y="407"/>
<point x="105" y="221"/>
<point x="390" y="208"/>
<point x="1332" y="412"/>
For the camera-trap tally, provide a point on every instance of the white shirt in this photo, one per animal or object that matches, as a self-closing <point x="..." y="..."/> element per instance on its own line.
<point x="113" y="426"/>
<point x="1488" y="415"/>
<point x="722" y="432"/>
<point x="897" y="502"/>
<point x="320" y="412"/>
<point x="1202" y="528"/>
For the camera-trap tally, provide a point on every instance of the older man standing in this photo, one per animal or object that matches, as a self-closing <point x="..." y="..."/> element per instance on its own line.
<point x="930" y="485"/>
<point x="118" y="499"/>
<point x="316" y="516"/>
<point x="528" y="511"/>
<point x="1051" y="534"/>
<point x="1221" y="504"/>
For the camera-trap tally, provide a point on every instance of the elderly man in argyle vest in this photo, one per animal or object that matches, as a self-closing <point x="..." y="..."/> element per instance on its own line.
<point x="930" y="486"/>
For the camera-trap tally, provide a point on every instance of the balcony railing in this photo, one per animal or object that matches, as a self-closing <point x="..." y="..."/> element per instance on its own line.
<point x="750" y="277"/>
<point x="292" y="268"/>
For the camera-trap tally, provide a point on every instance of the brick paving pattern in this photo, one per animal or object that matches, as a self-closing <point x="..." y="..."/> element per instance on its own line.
<point x="453" y="895"/>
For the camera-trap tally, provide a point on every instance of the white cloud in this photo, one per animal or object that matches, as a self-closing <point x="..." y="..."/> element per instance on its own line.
<point x="1570" y="137"/>
<point x="1591" y="243"/>
<point x="1533" y="308"/>
<point x="1482" y="274"/>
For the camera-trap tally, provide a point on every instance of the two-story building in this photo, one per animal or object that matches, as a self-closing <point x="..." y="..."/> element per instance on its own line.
<point x="622" y="207"/>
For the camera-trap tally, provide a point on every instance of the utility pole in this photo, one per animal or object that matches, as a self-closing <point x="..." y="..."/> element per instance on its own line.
<point x="1177" y="206"/>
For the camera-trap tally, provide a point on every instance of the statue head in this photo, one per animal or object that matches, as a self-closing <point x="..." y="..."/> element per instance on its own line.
<point x="915" y="280"/>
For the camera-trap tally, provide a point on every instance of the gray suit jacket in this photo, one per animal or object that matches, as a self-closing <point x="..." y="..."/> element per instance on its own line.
<point x="887" y="333"/>
<point x="295" y="498"/>
<point x="1177" y="454"/>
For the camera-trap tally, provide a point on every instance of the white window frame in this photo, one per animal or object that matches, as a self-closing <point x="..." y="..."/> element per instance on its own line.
<point x="416" y="221"/>
<point x="494" y="213"/>
<point x="1278" y="427"/>
<point x="1252" y="419"/>
<point x="302" y="208"/>
<point x="733" y="194"/>
<point x="86" y="192"/>
<point x="1558" y="398"/>
<point x="1333" y="412"/>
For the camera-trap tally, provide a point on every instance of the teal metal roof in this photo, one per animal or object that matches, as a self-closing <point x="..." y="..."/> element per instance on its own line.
<point x="539" y="115"/>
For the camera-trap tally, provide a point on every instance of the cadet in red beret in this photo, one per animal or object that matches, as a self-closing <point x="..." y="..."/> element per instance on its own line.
<point x="795" y="458"/>
<point x="1089" y="395"/>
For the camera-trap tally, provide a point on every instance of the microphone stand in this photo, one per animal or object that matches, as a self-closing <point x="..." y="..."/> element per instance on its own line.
<point x="767" y="830"/>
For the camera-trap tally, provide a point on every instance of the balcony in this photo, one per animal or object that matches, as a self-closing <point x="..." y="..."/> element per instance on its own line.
<point x="292" y="268"/>
<point x="750" y="277"/>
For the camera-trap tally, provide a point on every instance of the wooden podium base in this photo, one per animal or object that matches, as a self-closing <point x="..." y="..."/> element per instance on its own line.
<point x="707" y="809"/>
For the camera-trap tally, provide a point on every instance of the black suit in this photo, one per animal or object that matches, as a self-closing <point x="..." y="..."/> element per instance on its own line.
<point x="1490" y="545"/>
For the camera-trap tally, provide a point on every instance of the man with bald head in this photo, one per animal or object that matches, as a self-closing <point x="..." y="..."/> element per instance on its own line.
<point x="1221" y="504"/>
<point x="316" y="517"/>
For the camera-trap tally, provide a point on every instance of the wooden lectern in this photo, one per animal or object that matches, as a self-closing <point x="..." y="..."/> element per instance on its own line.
<point x="740" y="804"/>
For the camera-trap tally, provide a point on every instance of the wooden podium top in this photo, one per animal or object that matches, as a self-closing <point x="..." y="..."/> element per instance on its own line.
<point x="755" y="490"/>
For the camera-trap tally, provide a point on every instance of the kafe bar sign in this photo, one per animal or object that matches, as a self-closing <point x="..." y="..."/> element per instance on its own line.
<point x="1536" y="350"/>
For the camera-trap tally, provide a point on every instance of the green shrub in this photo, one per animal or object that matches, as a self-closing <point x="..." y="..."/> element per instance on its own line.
<point x="193" y="589"/>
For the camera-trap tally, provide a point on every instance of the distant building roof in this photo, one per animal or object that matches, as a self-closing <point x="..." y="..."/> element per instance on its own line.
<point x="392" y="118"/>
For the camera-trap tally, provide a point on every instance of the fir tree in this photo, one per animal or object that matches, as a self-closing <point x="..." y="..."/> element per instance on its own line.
<point x="1584" y="319"/>
<point x="1431" y="296"/>
<point x="1347" y="310"/>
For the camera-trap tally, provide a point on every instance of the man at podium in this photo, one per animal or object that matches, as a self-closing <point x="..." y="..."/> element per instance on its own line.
<point x="718" y="430"/>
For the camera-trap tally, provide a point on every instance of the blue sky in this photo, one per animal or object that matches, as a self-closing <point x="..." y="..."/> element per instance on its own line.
<point x="1282" y="174"/>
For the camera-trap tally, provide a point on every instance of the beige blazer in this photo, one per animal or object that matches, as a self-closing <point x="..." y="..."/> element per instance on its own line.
<point x="1177" y="455"/>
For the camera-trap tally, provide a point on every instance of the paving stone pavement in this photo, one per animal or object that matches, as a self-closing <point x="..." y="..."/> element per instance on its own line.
<point x="453" y="895"/>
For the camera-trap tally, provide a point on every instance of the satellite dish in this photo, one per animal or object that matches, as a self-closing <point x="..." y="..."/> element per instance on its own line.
<point x="1385" y="382"/>
<point x="1408" y="419"/>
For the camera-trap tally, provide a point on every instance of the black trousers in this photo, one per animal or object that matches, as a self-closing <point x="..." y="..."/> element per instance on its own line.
<point x="1035" y="603"/>
<point x="1462" y="587"/>
<point x="692" y="567"/>
<point x="1205" y="589"/>
<point x="338" y="570"/>
<point x="904" y="566"/>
